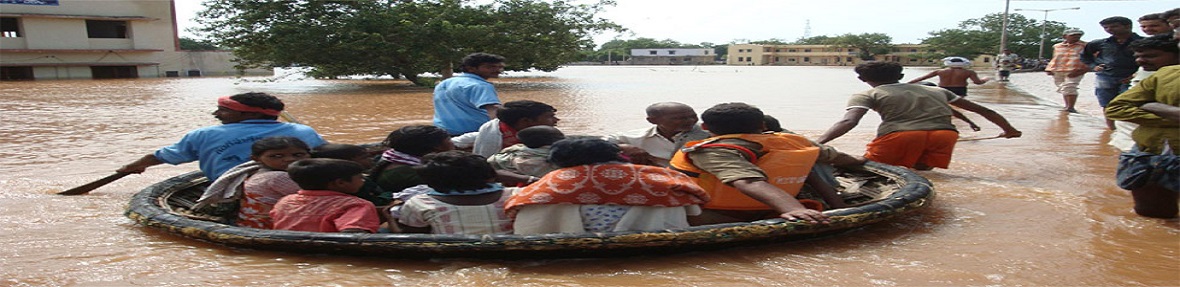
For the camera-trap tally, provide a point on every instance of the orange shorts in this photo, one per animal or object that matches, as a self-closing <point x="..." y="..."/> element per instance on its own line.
<point x="908" y="148"/>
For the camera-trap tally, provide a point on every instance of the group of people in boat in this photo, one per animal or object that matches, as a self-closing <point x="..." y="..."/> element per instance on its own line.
<point x="517" y="173"/>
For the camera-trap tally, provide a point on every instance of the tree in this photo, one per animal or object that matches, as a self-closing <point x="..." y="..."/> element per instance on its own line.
<point x="401" y="38"/>
<point x="197" y="45"/>
<point x="867" y="45"/>
<point x="978" y="36"/>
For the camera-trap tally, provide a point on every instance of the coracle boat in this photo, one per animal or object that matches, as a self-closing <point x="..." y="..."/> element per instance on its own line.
<point x="877" y="192"/>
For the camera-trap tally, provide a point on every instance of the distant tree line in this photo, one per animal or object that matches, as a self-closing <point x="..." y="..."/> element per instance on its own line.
<point x="405" y="39"/>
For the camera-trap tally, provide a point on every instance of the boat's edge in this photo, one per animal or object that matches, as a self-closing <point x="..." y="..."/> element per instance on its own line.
<point x="145" y="208"/>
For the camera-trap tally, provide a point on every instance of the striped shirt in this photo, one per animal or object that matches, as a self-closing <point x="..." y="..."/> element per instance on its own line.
<point x="1067" y="57"/>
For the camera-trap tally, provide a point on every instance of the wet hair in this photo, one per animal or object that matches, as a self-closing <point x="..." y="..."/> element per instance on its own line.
<point x="272" y="143"/>
<point x="880" y="71"/>
<point x="416" y="140"/>
<point x="1153" y="17"/>
<point x="455" y="170"/>
<point x="1116" y="20"/>
<point x="772" y="124"/>
<point x="733" y="118"/>
<point x="339" y="151"/>
<point x="539" y="136"/>
<point x="475" y="59"/>
<point x="260" y="100"/>
<point x="317" y="173"/>
<point x="1158" y="42"/>
<point x="515" y="111"/>
<point x="928" y="84"/>
<point x="582" y="151"/>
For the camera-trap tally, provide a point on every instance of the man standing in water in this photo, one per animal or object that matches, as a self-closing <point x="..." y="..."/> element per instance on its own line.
<point x="916" y="129"/>
<point x="244" y="118"/>
<point x="1154" y="104"/>
<point x="1112" y="60"/>
<point x="464" y="102"/>
<point x="1067" y="68"/>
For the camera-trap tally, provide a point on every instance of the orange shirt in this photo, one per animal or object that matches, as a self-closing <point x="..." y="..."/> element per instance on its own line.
<point x="324" y="211"/>
<point x="1067" y="57"/>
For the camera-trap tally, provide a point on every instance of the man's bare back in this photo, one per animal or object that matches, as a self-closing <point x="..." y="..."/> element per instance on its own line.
<point x="952" y="77"/>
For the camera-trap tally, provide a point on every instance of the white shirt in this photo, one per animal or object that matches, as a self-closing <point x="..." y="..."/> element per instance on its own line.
<point x="659" y="147"/>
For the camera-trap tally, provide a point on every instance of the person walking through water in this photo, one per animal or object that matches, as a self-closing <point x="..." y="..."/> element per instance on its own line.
<point x="1067" y="68"/>
<point x="1112" y="60"/>
<point x="464" y="102"/>
<point x="954" y="78"/>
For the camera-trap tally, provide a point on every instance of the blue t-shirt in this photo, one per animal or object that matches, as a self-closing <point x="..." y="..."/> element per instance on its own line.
<point x="219" y="148"/>
<point x="457" y="103"/>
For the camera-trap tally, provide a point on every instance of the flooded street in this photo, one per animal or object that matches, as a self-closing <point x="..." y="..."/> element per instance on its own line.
<point x="1038" y="210"/>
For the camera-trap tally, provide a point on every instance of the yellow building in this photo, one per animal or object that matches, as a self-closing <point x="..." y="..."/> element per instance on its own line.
<point x="68" y="39"/>
<point x="822" y="55"/>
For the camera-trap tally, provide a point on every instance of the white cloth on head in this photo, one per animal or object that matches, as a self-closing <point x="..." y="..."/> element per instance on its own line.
<point x="964" y="62"/>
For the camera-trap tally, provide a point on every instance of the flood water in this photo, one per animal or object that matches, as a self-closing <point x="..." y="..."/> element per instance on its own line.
<point x="1038" y="210"/>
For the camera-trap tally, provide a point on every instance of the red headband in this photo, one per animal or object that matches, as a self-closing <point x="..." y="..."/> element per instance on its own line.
<point x="235" y="105"/>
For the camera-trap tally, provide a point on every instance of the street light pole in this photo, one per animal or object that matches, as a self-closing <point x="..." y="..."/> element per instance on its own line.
<point x="1045" y="21"/>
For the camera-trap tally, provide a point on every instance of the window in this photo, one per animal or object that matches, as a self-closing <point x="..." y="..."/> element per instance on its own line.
<point x="913" y="60"/>
<point x="791" y="60"/>
<point x="740" y="59"/>
<point x="807" y="59"/>
<point x="114" y="72"/>
<point x="106" y="29"/>
<point x="652" y="52"/>
<point x="748" y="59"/>
<point x="16" y="73"/>
<point x="9" y="27"/>
<point x="849" y="59"/>
<point x="776" y="59"/>
<point x="806" y="50"/>
<point x="913" y="50"/>
<point x="688" y="59"/>
<point x="791" y="50"/>
<point x="671" y="52"/>
<point x="931" y="51"/>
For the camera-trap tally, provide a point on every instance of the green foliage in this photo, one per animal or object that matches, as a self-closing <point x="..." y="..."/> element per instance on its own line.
<point x="867" y="44"/>
<point x="197" y="45"/>
<point x="978" y="36"/>
<point x="401" y="38"/>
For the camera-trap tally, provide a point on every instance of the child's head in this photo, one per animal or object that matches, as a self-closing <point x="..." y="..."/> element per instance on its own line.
<point x="354" y="153"/>
<point x="419" y="140"/>
<point x="772" y="124"/>
<point x="577" y="151"/>
<point x="879" y="72"/>
<point x="525" y="113"/>
<point x="733" y="118"/>
<point x="327" y="174"/>
<point x="452" y="171"/>
<point x="539" y="136"/>
<point x="278" y="152"/>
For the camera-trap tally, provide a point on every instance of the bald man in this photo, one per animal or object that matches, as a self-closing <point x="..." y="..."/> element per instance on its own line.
<point x="673" y="124"/>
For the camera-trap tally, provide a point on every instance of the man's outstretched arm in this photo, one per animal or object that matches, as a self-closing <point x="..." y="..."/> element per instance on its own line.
<point x="841" y="127"/>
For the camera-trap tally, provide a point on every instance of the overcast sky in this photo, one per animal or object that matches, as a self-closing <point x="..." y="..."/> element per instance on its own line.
<point x="907" y="21"/>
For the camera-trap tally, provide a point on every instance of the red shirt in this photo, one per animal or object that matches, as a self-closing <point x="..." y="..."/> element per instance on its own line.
<point x="324" y="211"/>
<point x="508" y="136"/>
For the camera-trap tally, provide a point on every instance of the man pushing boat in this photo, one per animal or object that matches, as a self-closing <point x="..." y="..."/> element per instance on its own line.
<point x="244" y="118"/>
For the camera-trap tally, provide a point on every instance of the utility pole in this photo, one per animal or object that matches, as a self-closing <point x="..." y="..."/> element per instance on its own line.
<point x="1004" y="29"/>
<point x="1044" y="21"/>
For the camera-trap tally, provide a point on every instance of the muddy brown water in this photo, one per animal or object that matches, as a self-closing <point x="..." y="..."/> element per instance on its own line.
<point x="1038" y="210"/>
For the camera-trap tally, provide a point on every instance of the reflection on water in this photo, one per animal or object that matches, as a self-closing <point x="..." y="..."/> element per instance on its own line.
<point x="1039" y="210"/>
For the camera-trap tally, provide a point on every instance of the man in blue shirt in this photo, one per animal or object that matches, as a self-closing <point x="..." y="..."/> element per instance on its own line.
<point x="1112" y="60"/>
<point x="464" y="102"/>
<point x="245" y="118"/>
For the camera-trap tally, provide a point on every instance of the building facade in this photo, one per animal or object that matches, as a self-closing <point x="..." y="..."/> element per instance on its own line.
<point x="824" y="55"/>
<point x="671" y="56"/>
<point x="72" y="39"/>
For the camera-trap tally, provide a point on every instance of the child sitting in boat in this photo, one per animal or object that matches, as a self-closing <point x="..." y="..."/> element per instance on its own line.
<point x="326" y="200"/>
<point x="394" y="172"/>
<point x="530" y="156"/>
<point x="499" y="133"/>
<point x="753" y="175"/>
<point x="596" y="190"/>
<point x="256" y="185"/>
<point x="463" y="197"/>
<point x="358" y="154"/>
